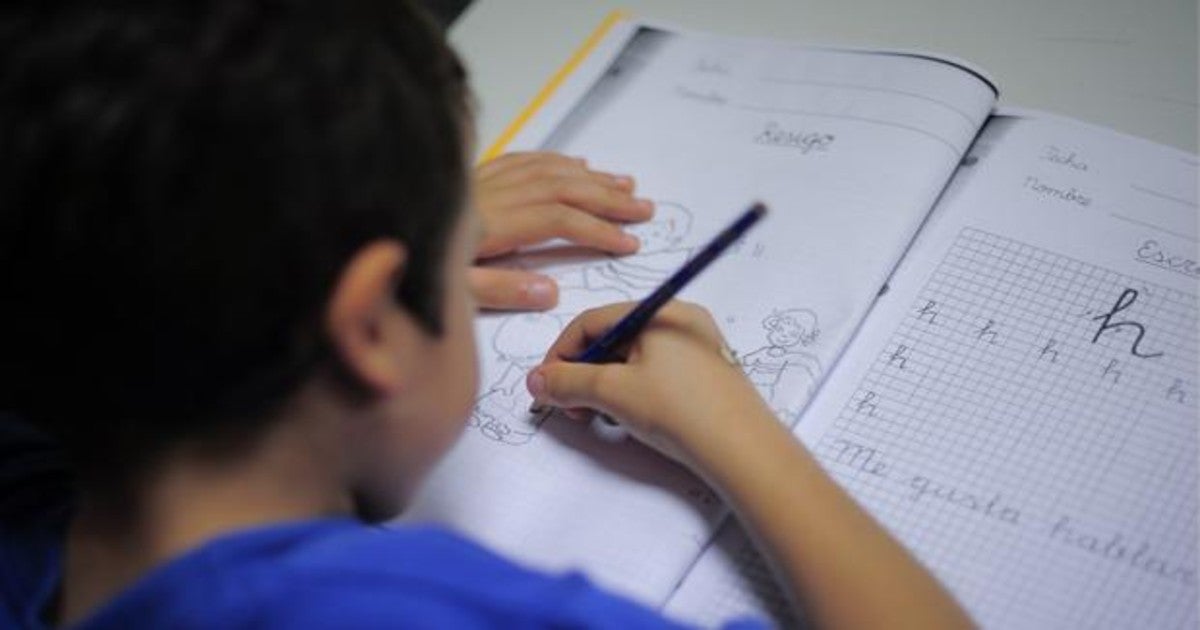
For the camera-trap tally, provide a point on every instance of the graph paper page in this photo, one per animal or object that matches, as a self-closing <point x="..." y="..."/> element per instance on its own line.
<point x="1020" y="407"/>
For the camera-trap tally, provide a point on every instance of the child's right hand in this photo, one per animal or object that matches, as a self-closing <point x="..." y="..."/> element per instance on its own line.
<point x="674" y="388"/>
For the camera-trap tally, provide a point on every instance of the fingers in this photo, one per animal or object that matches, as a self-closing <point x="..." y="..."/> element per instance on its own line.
<point x="542" y="223"/>
<point x="585" y="328"/>
<point x="595" y="193"/>
<point x="521" y="168"/>
<point x="684" y="316"/>
<point x="510" y="162"/>
<point x="526" y="198"/>
<point x="579" y="385"/>
<point x="511" y="289"/>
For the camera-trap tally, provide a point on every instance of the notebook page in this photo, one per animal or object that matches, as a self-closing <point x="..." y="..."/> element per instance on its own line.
<point x="849" y="150"/>
<point x="1020" y="407"/>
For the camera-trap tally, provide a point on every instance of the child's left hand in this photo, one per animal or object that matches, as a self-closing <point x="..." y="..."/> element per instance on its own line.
<point x="529" y="198"/>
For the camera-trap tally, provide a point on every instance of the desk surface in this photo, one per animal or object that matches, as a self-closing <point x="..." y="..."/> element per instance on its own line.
<point x="1130" y="65"/>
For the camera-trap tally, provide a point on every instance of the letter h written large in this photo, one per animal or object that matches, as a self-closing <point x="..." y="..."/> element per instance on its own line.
<point x="1126" y="299"/>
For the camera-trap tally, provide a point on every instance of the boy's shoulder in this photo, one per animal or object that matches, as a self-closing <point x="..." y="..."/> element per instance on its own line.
<point x="339" y="573"/>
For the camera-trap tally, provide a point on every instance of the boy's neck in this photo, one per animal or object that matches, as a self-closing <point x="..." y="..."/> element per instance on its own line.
<point x="295" y="471"/>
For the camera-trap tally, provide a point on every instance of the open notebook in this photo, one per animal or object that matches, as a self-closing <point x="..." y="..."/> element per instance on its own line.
<point x="996" y="314"/>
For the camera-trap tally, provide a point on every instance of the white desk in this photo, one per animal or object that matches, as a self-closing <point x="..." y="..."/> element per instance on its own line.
<point x="1130" y="65"/>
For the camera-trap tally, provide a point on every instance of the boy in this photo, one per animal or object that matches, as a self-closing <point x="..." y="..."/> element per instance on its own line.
<point x="238" y="259"/>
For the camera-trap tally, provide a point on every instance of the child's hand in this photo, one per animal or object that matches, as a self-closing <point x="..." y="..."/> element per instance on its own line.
<point x="676" y="389"/>
<point x="529" y="198"/>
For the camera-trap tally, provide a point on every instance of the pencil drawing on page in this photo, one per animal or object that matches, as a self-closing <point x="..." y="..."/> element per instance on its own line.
<point x="783" y="366"/>
<point x="502" y="411"/>
<point x="520" y="341"/>
<point x="663" y="251"/>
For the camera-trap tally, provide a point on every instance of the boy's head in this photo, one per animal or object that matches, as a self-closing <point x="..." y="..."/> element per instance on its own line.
<point x="204" y="206"/>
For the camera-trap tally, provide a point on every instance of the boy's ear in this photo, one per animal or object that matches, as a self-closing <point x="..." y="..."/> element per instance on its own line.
<point x="372" y="334"/>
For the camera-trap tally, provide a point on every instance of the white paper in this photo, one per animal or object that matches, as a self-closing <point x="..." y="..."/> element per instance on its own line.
<point x="1020" y="407"/>
<point x="848" y="149"/>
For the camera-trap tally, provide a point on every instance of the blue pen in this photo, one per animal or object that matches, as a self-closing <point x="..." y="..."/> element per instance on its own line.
<point x="628" y="327"/>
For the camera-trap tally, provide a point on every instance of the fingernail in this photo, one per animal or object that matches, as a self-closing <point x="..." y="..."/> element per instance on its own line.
<point x="630" y="242"/>
<point x="540" y="293"/>
<point x="624" y="181"/>
<point x="645" y="204"/>
<point x="536" y="383"/>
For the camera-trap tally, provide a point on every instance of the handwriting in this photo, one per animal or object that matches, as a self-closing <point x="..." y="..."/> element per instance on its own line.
<point x="1124" y="301"/>
<point x="1115" y="548"/>
<point x="1154" y="253"/>
<point x="703" y="96"/>
<point x="918" y="487"/>
<point x="993" y="506"/>
<point x="1070" y="195"/>
<point x="928" y="312"/>
<point x="1111" y="373"/>
<point x="1112" y="546"/>
<point x="867" y="404"/>
<point x="804" y="141"/>
<point x="1049" y="351"/>
<point x="988" y="332"/>
<point x="899" y="357"/>
<point x="860" y="457"/>
<point x="1176" y="392"/>
<point x="1069" y="159"/>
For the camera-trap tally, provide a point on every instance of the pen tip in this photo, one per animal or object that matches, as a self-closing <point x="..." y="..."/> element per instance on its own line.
<point x="758" y="209"/>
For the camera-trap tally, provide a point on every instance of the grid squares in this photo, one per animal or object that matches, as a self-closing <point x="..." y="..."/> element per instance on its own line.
<point x="1021" y="452"/>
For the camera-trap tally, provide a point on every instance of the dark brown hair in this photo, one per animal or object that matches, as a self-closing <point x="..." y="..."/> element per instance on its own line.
<point x="180" y="185"/>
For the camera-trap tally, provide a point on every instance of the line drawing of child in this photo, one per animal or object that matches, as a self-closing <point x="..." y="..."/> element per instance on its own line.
<point x="501" y="412"/>
<point x="782" y="368"/>
<point x="631" y="277"/>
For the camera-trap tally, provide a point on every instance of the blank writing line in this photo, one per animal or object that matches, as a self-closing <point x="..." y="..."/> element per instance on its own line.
<point x="1162" y="195"/>
<point x="887" y="123"/>
<point x="872" y="88"/>
<point x="1152" y="226"/>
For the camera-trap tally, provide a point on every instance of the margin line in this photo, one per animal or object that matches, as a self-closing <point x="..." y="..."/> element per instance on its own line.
<point x="1152" y="226"/>
<point x="873" y="88"/>
<point x="1162" y="195"/>
<point x="553" y="84"/>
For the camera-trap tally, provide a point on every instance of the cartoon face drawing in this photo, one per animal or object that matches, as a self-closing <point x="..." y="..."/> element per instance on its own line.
<point x="782" y="370"/>
<point x="786" y="329"/>
<point x="666" y="230"/>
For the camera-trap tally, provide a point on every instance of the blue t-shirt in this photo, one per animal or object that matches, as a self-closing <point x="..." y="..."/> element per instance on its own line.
<point x="326" y="573"/>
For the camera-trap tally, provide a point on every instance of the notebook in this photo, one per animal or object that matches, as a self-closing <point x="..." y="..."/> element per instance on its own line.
<point x="981" y="320"/>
